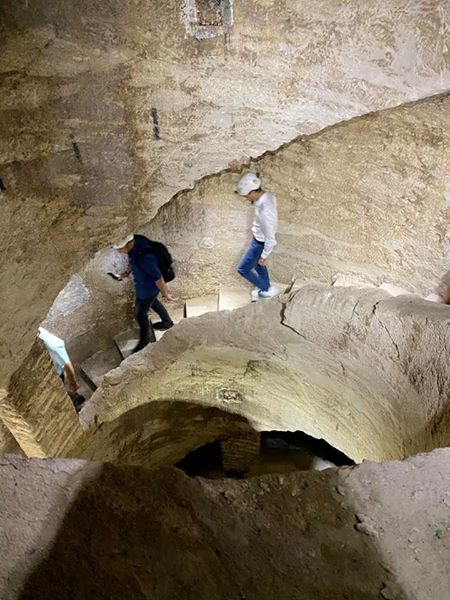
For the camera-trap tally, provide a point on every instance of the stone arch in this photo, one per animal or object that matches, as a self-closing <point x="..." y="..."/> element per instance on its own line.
<point x="352" y="366"/>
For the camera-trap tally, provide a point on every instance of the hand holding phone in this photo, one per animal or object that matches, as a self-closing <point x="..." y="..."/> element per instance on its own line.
<point x="114" y="276"/>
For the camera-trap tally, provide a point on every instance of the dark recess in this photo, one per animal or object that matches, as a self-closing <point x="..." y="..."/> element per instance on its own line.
<point x="155" y="120"/>
<point x="206" y="461"/>
<point x="76" y="151"/>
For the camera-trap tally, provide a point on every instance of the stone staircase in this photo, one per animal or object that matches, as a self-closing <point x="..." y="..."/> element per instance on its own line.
<point x="93" y="369"/>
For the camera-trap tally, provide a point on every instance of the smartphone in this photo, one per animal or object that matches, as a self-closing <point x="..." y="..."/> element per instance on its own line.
<point x="114" y="276"/>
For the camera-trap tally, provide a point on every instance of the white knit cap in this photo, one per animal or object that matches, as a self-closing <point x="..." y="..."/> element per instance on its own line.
<point x="124" y="242"/>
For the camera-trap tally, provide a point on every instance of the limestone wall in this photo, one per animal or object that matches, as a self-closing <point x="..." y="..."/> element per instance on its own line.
<point x="93" y="308"/>
<point x="8" y="444"/>
<point x="38" y="410"/>
<point x="159" y="434"/>
<point x="365" y="371"/>
<point x="108" y="109"/>
<point x="369" y="199"/>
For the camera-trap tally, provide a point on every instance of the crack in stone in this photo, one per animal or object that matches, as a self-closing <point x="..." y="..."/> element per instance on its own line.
<point x="385" y="328"/>
<point x="353" y="311"/>
<point x="284" y="306"/>
<point x="374" y="308"/>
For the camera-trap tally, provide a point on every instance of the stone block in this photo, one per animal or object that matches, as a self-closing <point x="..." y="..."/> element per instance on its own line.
<point x="95" y="368"/>
<point x="199" y="306"/>
<point x="231" y="298"/>
<point x="126" y="341"/>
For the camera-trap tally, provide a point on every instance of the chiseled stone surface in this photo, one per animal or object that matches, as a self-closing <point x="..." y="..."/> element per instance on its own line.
<point x="89" y="530"/>
<point x="364" y="202"/>
<point x="368" y="199"/>
<point x="108" y="109"/>
<point x="93" y="307"/>
<point x="158" y="434"/>
<point x="38" y="410"/>
<point x="363" y="370"/>
<point x="8" y="444"/>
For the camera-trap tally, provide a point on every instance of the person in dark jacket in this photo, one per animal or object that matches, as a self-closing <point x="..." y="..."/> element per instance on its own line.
<point x="148" y="282"/>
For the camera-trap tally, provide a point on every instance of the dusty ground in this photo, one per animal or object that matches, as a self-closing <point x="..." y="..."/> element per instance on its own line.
<point x="80" y="530"/>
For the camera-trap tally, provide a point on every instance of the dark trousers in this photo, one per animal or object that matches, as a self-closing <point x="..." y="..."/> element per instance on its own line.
<point x="146" y="333"/>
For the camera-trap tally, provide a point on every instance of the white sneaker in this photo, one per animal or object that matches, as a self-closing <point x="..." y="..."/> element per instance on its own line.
<point x="272" y="291"/>
<point x="255" y="294"/>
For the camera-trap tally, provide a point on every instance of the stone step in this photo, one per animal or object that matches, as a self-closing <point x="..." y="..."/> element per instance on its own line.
<point x="435" y="298"/>
<point x="176" y="314"/>
<point x="281" y="288"/>
<point x="350" y="280"/>
<point x="233" y="297"/>
<point x="96" y="366"/>
<point x="199" y="306"/>
<point x="394" y="290"/>
<point x="291" y="286"/>
<point x="126" y="341"/>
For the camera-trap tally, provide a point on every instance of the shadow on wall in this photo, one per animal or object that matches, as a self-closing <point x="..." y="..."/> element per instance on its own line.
<point x="131" y="534"/>
<point x="443" y="289"/>
<point x="158" y="434"/>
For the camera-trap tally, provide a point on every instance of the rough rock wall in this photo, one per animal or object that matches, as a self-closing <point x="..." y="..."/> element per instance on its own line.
<point x="368" y="198"/>
<point x="38" y="411"/>
<point x="8" y="444"/>
<point x="108" y="109"/>
<point x="106" y="532"/>
<point x="93" y="308"/>
<point x="358" y="368"/>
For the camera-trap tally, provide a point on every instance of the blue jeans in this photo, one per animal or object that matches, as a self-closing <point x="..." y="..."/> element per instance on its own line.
<point x="251" y="270"/>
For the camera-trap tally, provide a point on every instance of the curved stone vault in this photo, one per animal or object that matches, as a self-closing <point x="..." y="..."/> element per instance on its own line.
<point x="129" y="115"/>
<point x="84" y="157"/>
<point x="337" y="221"/>
<point x="365" y="371"/>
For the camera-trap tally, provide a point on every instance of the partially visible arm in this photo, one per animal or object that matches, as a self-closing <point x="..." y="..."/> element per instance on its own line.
<point x="269" y="220"/>
<point x="69" y="372"/>
<point x="150" y="266"/>
<point x="162" y="285"/>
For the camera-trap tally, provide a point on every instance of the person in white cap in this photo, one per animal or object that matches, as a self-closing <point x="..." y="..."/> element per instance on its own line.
<point x="253" y="264"/>
<point x="148" y="282"/>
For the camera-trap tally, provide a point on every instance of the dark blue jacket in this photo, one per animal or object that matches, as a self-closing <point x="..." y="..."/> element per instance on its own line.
<point x="145" y="270"/>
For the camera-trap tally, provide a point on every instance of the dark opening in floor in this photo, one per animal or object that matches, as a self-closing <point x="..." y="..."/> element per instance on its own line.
<point x="205" y="461"/>
<point x="277" y="452"/>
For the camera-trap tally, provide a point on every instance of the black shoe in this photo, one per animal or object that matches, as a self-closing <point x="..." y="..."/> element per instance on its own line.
<point x="79" y="406"/>
<point x="78" y="400"/>
<point x="160" y="325"/>
<point x="139" y="347"/>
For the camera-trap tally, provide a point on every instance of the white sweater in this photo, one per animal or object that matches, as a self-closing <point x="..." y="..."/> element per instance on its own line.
<point x="265" y="222"/>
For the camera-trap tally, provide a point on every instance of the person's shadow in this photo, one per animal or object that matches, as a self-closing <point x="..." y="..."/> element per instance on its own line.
<point x="443" y="289"/>
<point x="135" y="534"/>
